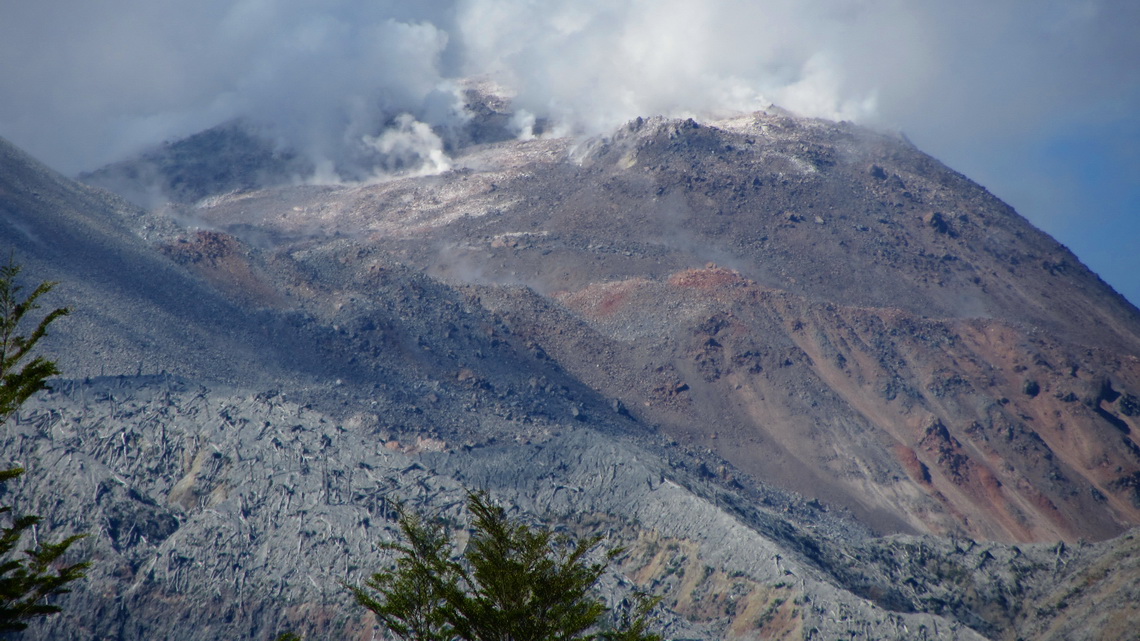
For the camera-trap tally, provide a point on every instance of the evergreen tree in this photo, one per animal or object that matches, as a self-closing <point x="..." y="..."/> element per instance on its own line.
<point x="512" y="583"/>
<point x="28" y="577"/>
<point x="18" y="383"/>
<point x="410" y="599"/>
<point x="27" y="580"/>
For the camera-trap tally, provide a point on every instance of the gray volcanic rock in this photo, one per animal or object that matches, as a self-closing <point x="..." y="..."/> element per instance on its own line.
<point x="238" y="156"/>
<point x="133" y="310"/>
<point x="741" y="350"/>
<point x="218" y="510"/>
<point x="215" y="510"/>
<point x="224" y="159"/>
<point x="788" y="282"/>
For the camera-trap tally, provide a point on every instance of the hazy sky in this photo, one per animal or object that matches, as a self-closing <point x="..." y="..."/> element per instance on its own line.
<point x="1038" y="100"/>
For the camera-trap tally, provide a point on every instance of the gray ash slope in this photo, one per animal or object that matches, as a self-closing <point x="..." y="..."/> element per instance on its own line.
<point x="132" y="308"/>
<point x="219" y="511"/>
<point x="526" y="324"/>
<point x="227" y="158"/>
<point x="826" y="307"/>
<point x="238" y="156"/>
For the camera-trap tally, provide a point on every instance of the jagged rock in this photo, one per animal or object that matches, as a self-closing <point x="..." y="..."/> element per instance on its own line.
<point x="396" y="352"/>
<point x="1031" y="388"/>
<point x="936" y="221"/>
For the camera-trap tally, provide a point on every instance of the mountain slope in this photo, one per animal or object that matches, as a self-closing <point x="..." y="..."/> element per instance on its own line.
<point x="649" y="337"/>
<point x="825" y="307"/>
<point x="223" y="159"/>
<point x="133" y="309"/>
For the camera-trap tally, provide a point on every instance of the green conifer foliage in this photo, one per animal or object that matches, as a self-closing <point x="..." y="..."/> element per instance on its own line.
<point x="27" y="580"/>
<point x="18" y="382"/>
<point x="513" y="582"/>
<point x="410" y="599"/>
<point x="30" y="576"/>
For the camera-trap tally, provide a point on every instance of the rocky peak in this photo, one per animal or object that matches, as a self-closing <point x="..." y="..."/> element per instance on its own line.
<point x="815" y="382"/>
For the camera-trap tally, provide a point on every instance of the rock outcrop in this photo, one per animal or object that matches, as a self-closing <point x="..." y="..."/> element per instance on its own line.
<point x="816" y="384"/>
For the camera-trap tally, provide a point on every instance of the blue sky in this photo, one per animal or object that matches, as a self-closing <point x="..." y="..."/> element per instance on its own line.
<point x="1035" y="99"/>
<point x="1101" y="170"/>
<point x="1078" y="181"/>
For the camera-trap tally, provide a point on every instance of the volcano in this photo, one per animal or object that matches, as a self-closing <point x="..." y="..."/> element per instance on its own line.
<point x="813" y="381"/>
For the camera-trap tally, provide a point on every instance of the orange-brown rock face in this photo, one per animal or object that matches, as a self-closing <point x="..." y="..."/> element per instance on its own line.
<point x="637" y="336"/>
<point x="967" y="426"/>
<point x="825" y="307"/>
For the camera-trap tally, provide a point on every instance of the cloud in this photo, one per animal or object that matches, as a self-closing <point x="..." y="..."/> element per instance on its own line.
<point x="409" y="145"/>
<point x="99" y="79"/>
<point x="85" y="83"/>
<point x="593" y="64"/>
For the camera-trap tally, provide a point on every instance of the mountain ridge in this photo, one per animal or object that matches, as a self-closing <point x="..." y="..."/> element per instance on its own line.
<point x="626" y="336"/>
<point x="672" y="217"/>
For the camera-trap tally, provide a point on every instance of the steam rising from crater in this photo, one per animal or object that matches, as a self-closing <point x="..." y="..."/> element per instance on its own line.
<point x="98" y="80"/>
<point x="1012" y="93"/>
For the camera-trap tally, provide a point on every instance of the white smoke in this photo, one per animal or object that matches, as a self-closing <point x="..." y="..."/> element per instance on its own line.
<point x="981" y="84"/>
<point x="99" y="79"/>
<point x="410" y="146"/>
<point x="592" y="64"/>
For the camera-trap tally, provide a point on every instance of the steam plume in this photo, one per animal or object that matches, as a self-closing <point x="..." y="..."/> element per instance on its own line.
<point x="87" y="82"/>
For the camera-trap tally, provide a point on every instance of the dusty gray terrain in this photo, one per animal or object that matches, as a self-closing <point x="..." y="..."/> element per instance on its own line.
<point x="816" y="384"/>
<point x="825" y="307"/>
